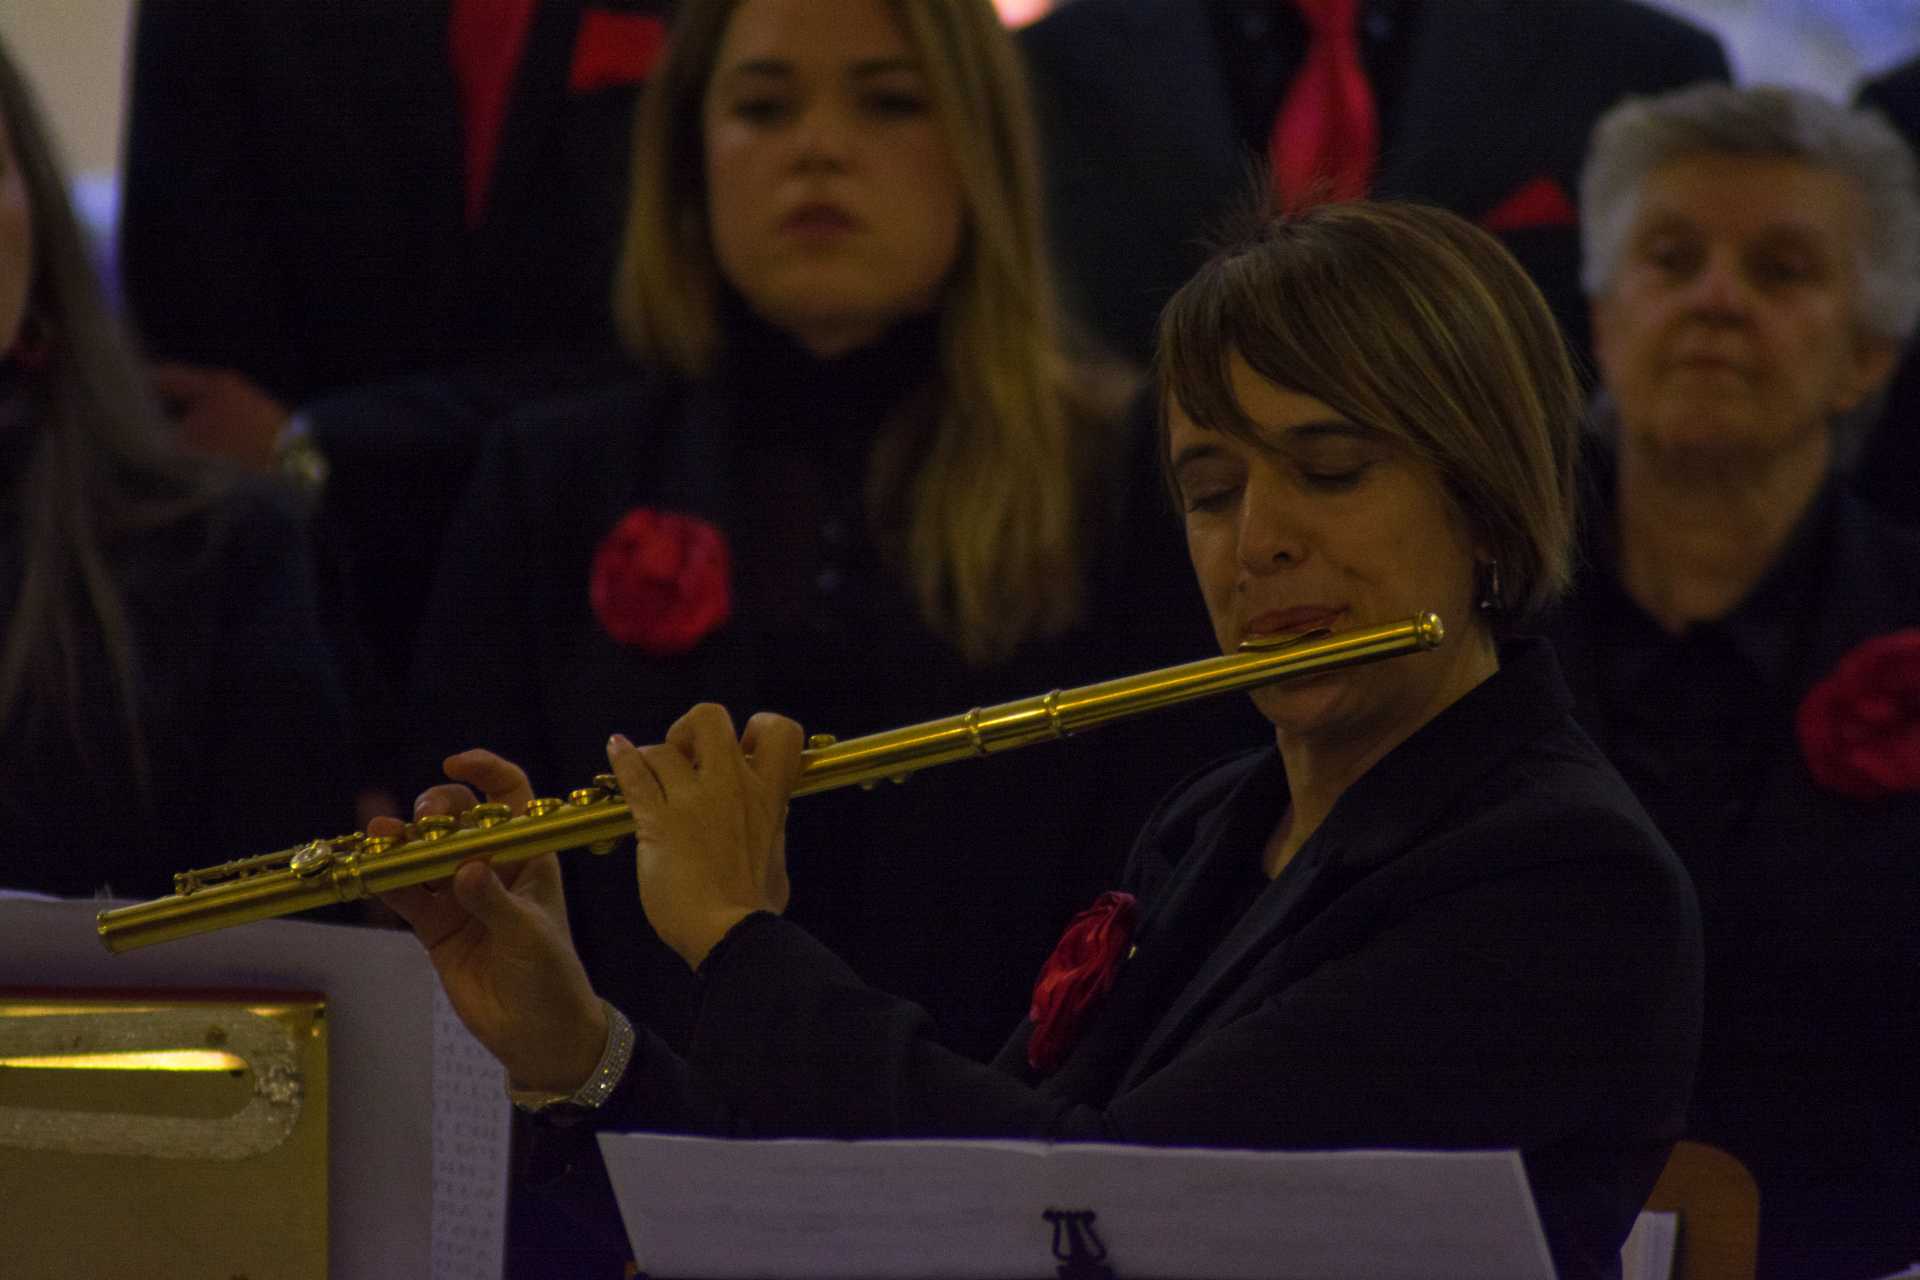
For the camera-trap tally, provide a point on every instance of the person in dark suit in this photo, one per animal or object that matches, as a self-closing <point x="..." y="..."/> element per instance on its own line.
<point x="1155" y="110"/>
<point x="1427" y="914"/>
<point x="165" y="702"/>
<point x="355" y="233"/>
<point x="1754" y="257"/>
<point x="324" y="196"/>
<point x="1887" y="472"/>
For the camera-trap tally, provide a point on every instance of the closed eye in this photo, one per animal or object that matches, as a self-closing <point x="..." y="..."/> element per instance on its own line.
<point x="1212" y="499"/>
<point x="1334" y="481"/>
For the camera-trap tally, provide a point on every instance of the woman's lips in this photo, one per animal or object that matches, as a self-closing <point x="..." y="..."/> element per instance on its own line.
<point x="1299" y="618"/>
<point x="819" y="220"/>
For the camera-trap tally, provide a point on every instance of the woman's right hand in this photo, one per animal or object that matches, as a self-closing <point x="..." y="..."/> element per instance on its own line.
<point x="501" y="945"/>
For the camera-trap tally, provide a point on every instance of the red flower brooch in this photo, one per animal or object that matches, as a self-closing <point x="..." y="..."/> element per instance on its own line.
<point x="1081" y="969"/>
<point x="1859" y="728"/>
<point x="662" y="581"/>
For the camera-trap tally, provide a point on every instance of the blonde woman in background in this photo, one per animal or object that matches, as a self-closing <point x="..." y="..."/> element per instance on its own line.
<point x="862" y="477"/>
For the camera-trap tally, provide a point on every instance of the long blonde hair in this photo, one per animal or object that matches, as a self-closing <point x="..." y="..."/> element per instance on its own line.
<point x="96" y="462"/>
<point x="993" y="498"/>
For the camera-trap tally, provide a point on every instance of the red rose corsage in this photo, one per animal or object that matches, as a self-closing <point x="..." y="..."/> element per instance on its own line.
<point x="662" y="581"/>
<point x="1859" y="728"/>
<point x="1079" y="972"/>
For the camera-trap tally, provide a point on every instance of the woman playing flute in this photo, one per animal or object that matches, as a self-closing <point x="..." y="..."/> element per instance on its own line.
<point x="1428" y="914"/>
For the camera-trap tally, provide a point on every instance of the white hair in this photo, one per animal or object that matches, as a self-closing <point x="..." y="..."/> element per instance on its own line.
<point x="1642" y="134"/>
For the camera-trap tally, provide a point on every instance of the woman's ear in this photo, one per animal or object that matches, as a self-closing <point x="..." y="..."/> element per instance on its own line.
<point x="1872" y="363"/>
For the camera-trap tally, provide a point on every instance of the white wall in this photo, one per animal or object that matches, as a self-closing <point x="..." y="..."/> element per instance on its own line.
<point x="73" y="51"/>
<point x="1827" y="46"/>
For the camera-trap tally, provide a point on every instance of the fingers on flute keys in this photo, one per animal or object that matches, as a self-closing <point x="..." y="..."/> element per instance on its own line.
<point x="772" y="743"/>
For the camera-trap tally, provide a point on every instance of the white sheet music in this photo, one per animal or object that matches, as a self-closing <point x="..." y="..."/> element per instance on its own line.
<point x="1649" y="1251"/>
<point x="470" y="1138"/>
<point x="698" y="1207"/>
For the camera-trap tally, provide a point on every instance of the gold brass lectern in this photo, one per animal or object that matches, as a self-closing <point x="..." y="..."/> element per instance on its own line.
<point x="163" y="1135"/>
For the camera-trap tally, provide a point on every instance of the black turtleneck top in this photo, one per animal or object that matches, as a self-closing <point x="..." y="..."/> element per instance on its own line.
<point x="812" y="579"/>
<point x="950" y="889"/>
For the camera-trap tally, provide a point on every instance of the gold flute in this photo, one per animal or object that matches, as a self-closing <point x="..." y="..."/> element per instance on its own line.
<point x="353" y="866"/>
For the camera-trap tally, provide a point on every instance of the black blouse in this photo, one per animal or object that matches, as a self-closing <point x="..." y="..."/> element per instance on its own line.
<point x="951" y="888"/>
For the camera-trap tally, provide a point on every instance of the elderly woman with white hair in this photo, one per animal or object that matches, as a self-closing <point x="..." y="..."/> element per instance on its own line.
<point x="1743" y="643"/>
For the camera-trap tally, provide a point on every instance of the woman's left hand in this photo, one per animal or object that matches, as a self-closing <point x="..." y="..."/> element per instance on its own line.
<point x="710" y="819"/>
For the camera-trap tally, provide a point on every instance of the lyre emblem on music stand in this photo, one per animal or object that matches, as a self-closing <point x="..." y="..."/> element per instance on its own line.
<point x="1078" y="1248"/>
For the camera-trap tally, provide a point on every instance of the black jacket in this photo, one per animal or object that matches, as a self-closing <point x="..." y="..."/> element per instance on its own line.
<point x="1889" y="467"/>
<point x="1812" y="1021"/>
<point x="1486" y="945"/>
<point x="295" y="192"/>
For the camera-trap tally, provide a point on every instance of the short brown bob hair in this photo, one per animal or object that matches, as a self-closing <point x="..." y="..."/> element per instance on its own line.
<point x="1409" y="320"/>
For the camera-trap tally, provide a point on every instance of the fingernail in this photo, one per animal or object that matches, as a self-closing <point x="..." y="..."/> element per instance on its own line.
<point x="618" y="744"/>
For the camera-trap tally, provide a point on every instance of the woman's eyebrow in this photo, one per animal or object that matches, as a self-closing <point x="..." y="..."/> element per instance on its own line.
<point x="1194" y="452"/>
<point x="864" y="69"/>
<point x="1281" y="439"/>
<point x="1307" y="435"/>
<point x="758" y="67"/>
<point x="1325" y="429"/>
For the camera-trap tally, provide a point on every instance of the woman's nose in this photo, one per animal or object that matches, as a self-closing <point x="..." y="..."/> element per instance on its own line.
<point x="1720" y="286"/>
<point x="823" y="137"/>
<point x="1270" y="532"/>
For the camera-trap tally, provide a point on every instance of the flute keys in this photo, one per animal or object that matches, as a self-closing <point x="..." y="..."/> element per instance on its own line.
<point x="543" y="806"/>
<point x="605" y="787"/>
<point x="435" y="826"/>
<point x="311" y="860"/>
<point x="487" y="816"/>
<point x="820" y="741"/>
<point x="581" y="797"/>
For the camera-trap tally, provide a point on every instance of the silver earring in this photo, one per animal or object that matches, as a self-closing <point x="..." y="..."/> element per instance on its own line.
<point x="1490" y="598"/>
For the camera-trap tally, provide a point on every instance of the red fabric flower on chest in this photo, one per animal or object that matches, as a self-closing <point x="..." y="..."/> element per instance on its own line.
<point x="1079" y="972"/>
<point x="662" y="581"/>
<point x="1859" y="728"/>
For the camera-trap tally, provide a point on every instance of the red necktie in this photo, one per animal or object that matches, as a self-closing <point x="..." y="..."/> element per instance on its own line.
<point x="484" y="42"/>
<point x="1326" y="139"/>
